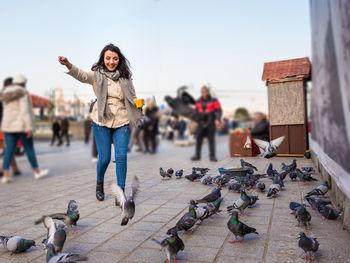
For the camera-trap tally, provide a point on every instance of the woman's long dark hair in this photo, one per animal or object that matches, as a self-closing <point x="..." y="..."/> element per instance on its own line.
<point x="123" y="65"/>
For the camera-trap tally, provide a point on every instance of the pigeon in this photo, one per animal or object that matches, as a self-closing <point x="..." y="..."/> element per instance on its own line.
<point x="248" y="182"/>
<point x="327" y="212"/>
<point x="275" y="187"/>
<point x="305" y="176"/>
<point x="55" y="235"/>
<point x="207" y="180"/>
<point x="261" y="187"/>
<point x="163" y="173"/>
<point x="291" y="167"/>
<point x="247" y="165"/>
<point x="179" y="173"/>
<point x="184" y="96"/>
<point x="314" y="201"/>
<point x="221" y="180"/>
<point x="283" y="175"/>
<point x="241" y="203"/>
<point x="208" y="210"/>
<point x="70" y="218"/>
<point x="193" y="177"/>
<point x="186" y="222"/>
<point x="202" y="171"/>
<point x="293" y="206"/>
<point x="256" y="177"/>
<point x="309" y="245"/>
<point x="235" y="187"/>
<point x="270" y="171"/>
<point x="16" y="244"/>
<point x="293" y="176"/>
<point x="238" y="228"/>
<point x="170" y="171"/>
<point x="213" y="196"/>
<point x="253" y="200"/>
<point x="279" y="180"/>
<point x="171" y="245"/>
<point x="53" y="257"/>
<point x="269" y="147"/>
<point x="319" y="190"/>
<point x="303" y="216"/>
<point x="126" y="204"/>
<point x="308" y="169"/>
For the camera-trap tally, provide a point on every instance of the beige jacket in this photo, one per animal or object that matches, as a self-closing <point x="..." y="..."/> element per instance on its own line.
<point x="18" y="113"/>
<point x="115" y="98"/>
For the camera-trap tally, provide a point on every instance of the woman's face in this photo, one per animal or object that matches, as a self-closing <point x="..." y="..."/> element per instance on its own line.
<point x="111" y="60"/>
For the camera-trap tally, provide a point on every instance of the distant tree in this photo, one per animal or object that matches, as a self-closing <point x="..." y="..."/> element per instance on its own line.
<point x="241" y="113"/>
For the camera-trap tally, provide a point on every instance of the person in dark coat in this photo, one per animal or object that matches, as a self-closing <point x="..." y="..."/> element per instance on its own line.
<point x="260" y="129"/>
<point x="64" y="130"/>
<point x="87" y="129"/>
<point x="55" y="132"/>
<point x="151" y="127"/>
<point x="211" y="106"/>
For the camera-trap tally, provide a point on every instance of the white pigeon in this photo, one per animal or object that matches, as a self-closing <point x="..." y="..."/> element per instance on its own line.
<point x="269" y="147"/>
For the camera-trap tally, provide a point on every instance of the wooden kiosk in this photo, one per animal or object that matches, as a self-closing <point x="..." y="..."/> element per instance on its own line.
<point x="287" y="108"/>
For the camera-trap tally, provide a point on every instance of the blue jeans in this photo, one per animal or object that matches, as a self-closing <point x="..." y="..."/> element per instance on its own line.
<point x="11" y="143"/>
<point x="104" y="137"/>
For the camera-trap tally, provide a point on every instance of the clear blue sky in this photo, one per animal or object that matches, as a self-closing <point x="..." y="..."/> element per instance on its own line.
<point x="169" y="43"/>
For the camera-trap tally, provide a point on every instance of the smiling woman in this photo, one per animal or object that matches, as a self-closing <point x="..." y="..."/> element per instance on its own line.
<point x="115" y="109"/>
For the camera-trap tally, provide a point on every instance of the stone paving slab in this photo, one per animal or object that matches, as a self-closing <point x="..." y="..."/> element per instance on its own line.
<point x="159" y="205"/>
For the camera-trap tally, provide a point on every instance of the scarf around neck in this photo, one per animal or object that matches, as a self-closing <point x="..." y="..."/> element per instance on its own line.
<point x="103" y="110"/>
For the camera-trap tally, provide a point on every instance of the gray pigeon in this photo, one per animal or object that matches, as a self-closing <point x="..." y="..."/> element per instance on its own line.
<point x="179" y="173"/>
<point x="261" y="187"/>
<point x="207" y="180"/>
<point x="319" y="190"/>
<point x="16" y="244"/>
<point x="269" y="147"/>
<point x="235" y="187"/>
<point x="55" y="235"/>
<point x="327" y="212"/>
<point x="308" y="169"/>
<point x="293" y="206"/>
<point x="186" y="222"/>
<point x="171" y="245"/>
<point x="275" y="187"/>
<point x="241" y="203"/>
<point x="309" y="245"/>
<point x="315" y="201"/>
<point x="70" y="218"/>
<point x="238" y="228"/>
<point x="247" y="165"/>
<point x="53" y="257"/>
<point x="164" y="174"/>
<point x="208" y="210"/>
<point x="126" y="204"/>
<point x="303" y="216"/>
<point x="213" y="196"/>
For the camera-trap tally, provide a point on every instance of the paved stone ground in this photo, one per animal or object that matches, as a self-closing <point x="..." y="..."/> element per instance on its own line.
<point x="159" y="206"/>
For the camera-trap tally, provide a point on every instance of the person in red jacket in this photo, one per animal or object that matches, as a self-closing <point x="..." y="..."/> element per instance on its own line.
<point x="208" y="105"/>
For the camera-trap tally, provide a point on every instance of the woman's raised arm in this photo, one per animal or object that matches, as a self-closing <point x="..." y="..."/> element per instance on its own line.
<point x="82" y="76"/>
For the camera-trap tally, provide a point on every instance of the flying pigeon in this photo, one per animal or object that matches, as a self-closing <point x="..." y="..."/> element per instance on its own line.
<point x="247" y="165"/>
<point x="309" y="245"/>
<point x="269" y="148"/>
<point x="171" y="245"/>
<point x="70" y="218"/>
<point x="16" y="244"/>
<point x="126" y="204"/>
<point x="291" y="167"/>
<point x="55" y="235"/>
<point x="213" y="196"/>
<point x="274" y="188"/>
<point x="163" y="173"/>
<point x="319" y="190"/>
<point x="260" y="186"/>
<point x="186" y="222"/>
<point x="53" y="257"/>
<point x="303" y="216"/>
<point x="179" y="173"/>
<point x="238" y="228"/>
<point x="241" y="203"/>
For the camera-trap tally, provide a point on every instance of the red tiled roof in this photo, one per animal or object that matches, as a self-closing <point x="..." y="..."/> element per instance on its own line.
<point x="277" y="70"/>
<point x="39" y="102"/>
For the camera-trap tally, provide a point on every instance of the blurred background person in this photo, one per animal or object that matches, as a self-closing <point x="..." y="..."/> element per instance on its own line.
<point x="16" y="171"/>
<point x="211" y="106"/>
<point x="65" y="130"/>
<point x="87" y="129"/>
<point x="150" y="130"/>
<point x="182" y="125"/>
<point x="55" y="132"/>
<point x="136" y="138"/>
<point x="260" y="128"/>
<point x="18" y="124"/>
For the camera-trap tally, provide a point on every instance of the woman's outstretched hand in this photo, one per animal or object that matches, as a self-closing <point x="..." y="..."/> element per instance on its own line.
<point x="64" y="61"/>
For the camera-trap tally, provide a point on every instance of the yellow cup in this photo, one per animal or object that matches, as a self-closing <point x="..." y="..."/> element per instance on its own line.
<point x="139" y="103"/>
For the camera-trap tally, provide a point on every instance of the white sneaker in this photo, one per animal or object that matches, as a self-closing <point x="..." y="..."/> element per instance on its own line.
<point x="94" y="160"/>
<point x="7" y="179"/>
<point x="42" y="174"/>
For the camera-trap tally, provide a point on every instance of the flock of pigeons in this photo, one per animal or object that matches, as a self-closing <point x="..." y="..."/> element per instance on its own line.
<point x="199" y="210"/>
<point x="209" y="205"/>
